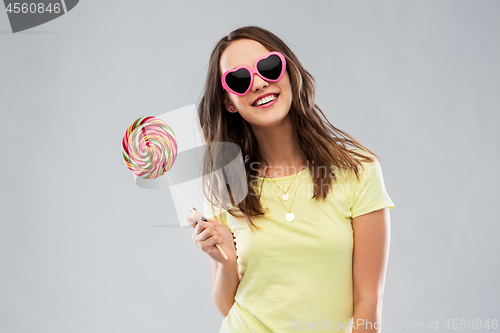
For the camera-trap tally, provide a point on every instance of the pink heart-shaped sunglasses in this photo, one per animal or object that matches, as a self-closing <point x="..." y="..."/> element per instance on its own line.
<point x="239" y="80"/>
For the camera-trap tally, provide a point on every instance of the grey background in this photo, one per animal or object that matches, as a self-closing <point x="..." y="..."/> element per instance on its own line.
<point x="415" y="81"/>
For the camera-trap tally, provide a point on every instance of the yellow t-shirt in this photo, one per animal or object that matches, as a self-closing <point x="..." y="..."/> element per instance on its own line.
<point x="298" y="275"/>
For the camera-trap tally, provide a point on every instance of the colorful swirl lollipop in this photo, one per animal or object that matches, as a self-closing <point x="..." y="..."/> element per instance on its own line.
<point x="149" y="147"/>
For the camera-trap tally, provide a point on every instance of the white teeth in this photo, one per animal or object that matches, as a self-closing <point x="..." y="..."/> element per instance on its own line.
<point x="266" y="99"/>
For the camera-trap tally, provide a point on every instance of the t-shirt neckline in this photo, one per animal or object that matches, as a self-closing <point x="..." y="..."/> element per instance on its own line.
<point x="286" y="177"/>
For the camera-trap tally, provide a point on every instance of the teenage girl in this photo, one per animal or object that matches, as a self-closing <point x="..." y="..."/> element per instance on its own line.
<point x="308" y="246"/>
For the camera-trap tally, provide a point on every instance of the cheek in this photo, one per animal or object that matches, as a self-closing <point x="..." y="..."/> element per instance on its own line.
<point x="232" y="98"/>
<point x="238" y="100"/>
<point x="287" y="86"/>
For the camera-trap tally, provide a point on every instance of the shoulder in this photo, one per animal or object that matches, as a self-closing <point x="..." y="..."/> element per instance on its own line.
<point x="360" y="154"/>
<point x="368" y="165"/>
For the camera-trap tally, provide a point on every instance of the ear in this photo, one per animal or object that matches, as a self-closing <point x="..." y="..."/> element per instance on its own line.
<point x="229" y="105"/>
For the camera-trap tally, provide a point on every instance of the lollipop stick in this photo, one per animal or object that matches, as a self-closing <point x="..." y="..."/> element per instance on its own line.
<point x="191" y="208"/>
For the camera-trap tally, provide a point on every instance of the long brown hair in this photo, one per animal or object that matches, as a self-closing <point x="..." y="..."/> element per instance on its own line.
<point x="319" y="140"/>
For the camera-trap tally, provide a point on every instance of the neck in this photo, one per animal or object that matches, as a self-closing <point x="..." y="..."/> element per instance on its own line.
<point x="279" y="147"/>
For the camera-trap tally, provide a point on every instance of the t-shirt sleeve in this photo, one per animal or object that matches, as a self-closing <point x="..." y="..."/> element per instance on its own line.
<point x="369" y="193"/>
<point x="209" y="214"/>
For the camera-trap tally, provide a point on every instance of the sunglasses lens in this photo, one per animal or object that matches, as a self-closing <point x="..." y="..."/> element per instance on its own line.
<point x="270" y="67"/>
<point x="238" y="81"/>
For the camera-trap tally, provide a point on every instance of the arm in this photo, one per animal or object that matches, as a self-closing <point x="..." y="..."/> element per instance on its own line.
<point x="370" y="255"/>
<point x="225" y="275"/>
<point x="225" y="281"/>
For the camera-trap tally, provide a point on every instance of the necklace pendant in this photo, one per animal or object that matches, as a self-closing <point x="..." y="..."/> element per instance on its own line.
<point x="289" y="217"/>
<point x="285" y="197"/>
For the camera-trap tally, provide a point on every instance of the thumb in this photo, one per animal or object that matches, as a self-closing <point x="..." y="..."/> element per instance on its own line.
<point x="204" y="219"/>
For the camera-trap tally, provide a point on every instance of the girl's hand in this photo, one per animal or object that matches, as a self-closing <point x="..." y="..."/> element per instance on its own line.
<point x="210" y="232"/>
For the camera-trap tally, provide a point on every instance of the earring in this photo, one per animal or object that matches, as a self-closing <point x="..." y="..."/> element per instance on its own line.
<point x="232" y="109"/>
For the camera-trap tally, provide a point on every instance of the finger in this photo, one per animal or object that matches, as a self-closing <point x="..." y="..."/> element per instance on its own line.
<point x="192" y="219"/>
<point x="193" y="224"/>
<point x="195" y="218"/>
<point x="209" y="244"/>
<point x="206" y="234"/>
<point x="202" y="225"/>
<point x="217" y="241"/>
<point x="198" y="228"/>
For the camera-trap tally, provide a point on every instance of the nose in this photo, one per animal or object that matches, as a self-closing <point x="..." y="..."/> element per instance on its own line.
<point x="258" y="83"/>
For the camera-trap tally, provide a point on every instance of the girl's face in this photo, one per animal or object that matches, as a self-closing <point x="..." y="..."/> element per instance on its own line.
<point x="245" y="52"/>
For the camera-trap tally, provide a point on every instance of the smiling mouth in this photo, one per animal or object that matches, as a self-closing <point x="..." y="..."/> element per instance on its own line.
<point x="266" y="100"/>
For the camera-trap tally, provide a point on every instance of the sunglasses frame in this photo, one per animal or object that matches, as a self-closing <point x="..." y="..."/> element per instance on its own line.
<point x="254" y="71"/>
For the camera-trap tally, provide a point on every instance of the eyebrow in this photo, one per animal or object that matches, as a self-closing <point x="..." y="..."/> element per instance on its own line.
<point x="244" y="65"/>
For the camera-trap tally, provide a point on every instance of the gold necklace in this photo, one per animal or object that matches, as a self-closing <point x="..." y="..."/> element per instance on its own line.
<point x="285" y="193"/>
<point x="289" y="216"/>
